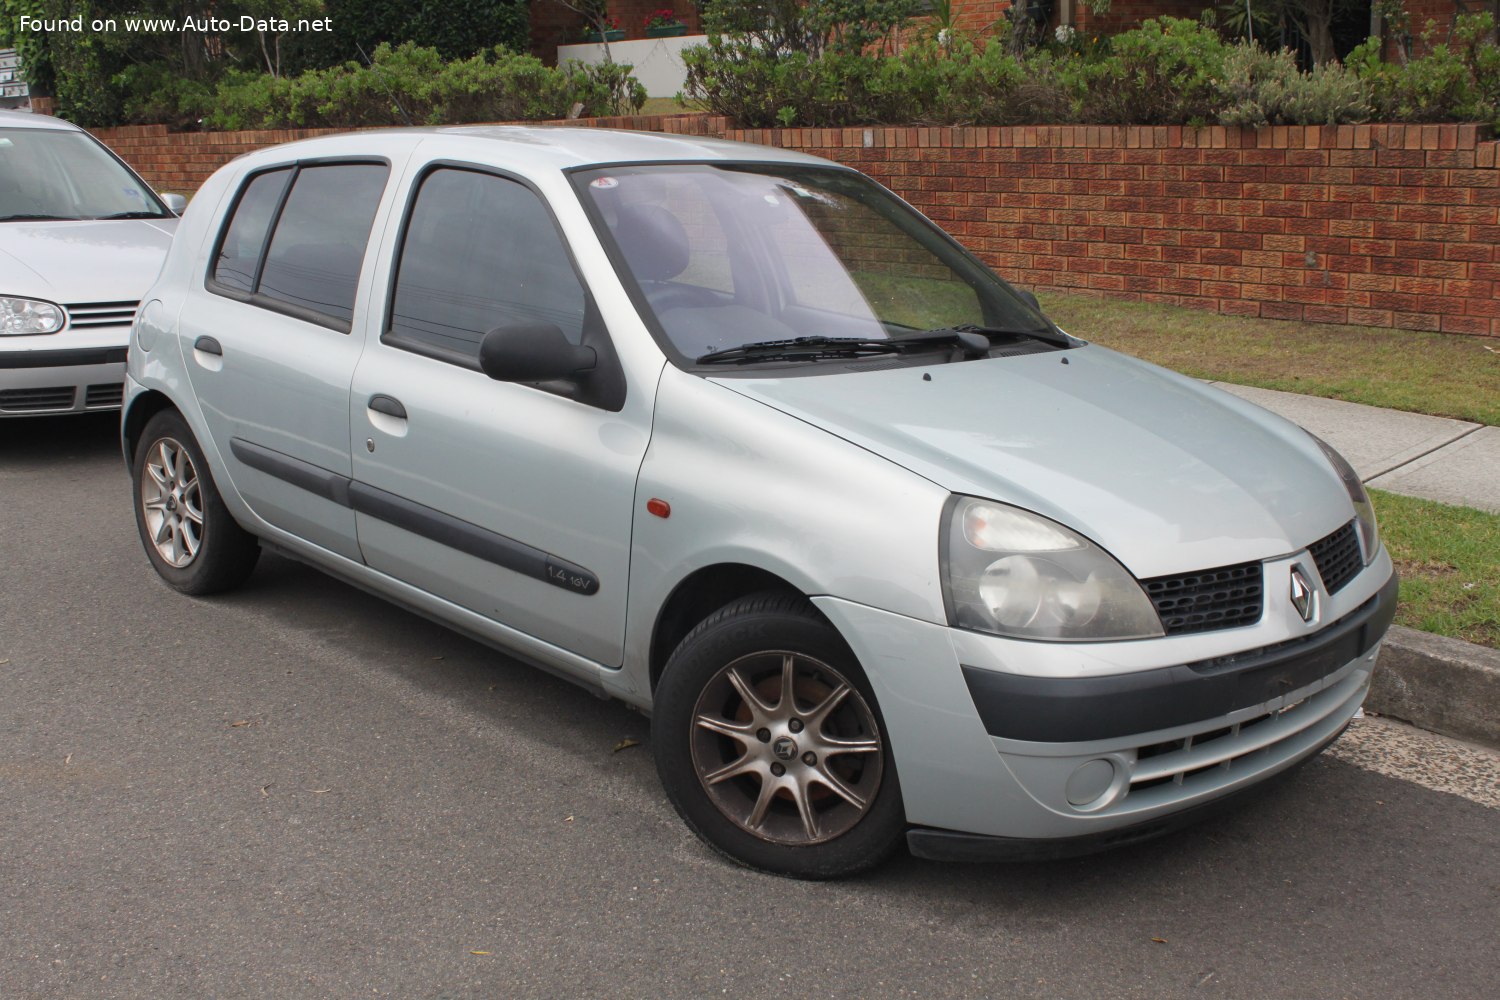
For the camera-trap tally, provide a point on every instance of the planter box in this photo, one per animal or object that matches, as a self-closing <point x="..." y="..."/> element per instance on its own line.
<point x="592" y="37"/>
<point x="670" y="31"/>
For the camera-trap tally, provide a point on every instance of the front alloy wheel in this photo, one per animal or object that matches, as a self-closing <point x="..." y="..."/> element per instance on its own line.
<point x="770" y="745"/>
<point x="786" y="748"/>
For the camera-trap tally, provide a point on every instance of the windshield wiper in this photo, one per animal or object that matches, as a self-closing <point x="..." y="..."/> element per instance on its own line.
<point x="23" y="217"/>
<point x="132" y="215"/>
<point x="1052" y="336"/>
<point x="972" y="343"/>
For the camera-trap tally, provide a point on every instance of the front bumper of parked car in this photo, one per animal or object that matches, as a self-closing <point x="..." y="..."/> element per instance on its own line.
<point x="63" y="380"/>
<point x="1009" y="749"/>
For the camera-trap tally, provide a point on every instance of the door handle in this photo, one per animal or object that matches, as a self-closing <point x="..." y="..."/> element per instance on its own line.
<point x="208" y="345"/>
<point x="389" y="405"/>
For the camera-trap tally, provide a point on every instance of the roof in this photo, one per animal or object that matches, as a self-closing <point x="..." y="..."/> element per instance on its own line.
<point x="28" y="119"/>
<point x="554" y="147"/>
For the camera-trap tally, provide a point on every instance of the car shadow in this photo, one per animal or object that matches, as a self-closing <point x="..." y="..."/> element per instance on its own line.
<point x="44" y="442"/>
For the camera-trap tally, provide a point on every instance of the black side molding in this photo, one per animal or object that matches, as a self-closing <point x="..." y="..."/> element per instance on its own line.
<point x="313" y="478"/>
<point x="1081" y="709"/>
<point x="61" y="359"/>
<point x="471" y="539"/>
<point x="409" y="515"/>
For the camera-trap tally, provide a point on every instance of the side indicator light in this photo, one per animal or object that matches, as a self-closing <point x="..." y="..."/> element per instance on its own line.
<point x="658" y="507"/>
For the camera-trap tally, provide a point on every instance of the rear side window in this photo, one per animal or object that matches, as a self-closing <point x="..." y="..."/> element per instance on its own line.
<point x="480" y="251"/>
<point x="297" y="239"/>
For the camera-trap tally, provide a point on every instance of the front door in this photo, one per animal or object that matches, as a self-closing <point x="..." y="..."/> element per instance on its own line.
<point x="513" y="501"/>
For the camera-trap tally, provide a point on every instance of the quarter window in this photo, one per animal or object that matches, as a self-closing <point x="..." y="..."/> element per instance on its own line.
<point x="239" y="252"/>
<point x="480" y="252"/>
<point x="301" y="252"/>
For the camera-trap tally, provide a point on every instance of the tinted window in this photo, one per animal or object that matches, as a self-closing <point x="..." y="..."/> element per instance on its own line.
<point x="240" y="250"/>
<point x="480" y="252"/>
<point x="315" y="254"/>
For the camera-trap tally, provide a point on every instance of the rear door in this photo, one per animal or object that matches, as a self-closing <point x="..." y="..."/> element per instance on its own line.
<point x="268" y="345"/>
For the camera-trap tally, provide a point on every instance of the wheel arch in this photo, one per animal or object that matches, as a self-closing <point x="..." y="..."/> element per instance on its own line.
<point x="145" y="406"/>
<point x="699" y="595"/>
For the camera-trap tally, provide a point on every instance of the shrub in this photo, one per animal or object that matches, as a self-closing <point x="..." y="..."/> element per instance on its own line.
<point x="1458" y="81"/>
<point x="152" y="93"/>
<point x="416" y="85"/>
<point x="1266" y="88"/>
<point x="1165" y="72"/>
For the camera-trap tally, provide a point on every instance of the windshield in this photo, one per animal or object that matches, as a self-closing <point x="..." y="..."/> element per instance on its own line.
<point x="731" y="255"/>
<point x="56" y="174"/>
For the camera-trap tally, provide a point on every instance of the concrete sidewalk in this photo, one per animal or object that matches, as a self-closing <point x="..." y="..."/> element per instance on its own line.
<point x="1453" y="461"/>
<point x="1443" y="685"/>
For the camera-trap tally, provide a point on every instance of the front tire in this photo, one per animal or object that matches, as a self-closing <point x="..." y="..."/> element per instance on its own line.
<point x="770" y="745"/>
<point x="192" y="540"/>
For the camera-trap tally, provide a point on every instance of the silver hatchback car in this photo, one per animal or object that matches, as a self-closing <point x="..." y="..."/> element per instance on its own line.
<point x="736" y="436"/>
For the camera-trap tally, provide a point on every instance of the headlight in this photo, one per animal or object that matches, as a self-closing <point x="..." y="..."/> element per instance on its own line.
<point x="1015" y="573"/>
<point x="19" y="317"/>
<point x="1364" y="510"/>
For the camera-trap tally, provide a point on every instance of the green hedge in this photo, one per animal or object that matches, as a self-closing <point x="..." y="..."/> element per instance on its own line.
<point x="1168" y="71"/>
<point x="408" y="84"/>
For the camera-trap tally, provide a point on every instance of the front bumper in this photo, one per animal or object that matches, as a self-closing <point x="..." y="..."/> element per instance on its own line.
<point x="74" y="380"/>
<point x="986" y="749"/>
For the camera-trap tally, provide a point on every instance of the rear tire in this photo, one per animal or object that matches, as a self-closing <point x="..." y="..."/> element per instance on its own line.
<point x="192" y="540"/>
<point x="770" y="745"/>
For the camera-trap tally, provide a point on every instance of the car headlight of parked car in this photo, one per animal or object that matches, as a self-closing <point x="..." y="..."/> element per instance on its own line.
<point x="1364" y="510"/>
<point x="19" y="317"/>
<point x="1015" y="573"/>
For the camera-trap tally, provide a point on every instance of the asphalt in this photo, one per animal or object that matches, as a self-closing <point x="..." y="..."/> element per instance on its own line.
<point x="1440" y="684"/>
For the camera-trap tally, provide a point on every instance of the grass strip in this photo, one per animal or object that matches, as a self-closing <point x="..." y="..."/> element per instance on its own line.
<point x="1447" y="375"/>
<point x="1449" y="561"/>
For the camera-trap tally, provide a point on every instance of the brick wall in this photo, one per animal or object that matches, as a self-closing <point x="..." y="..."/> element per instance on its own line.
<point x="1378" y="225"/>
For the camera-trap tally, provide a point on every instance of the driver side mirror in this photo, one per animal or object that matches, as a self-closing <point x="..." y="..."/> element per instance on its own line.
<point x="533" y="352"/>
<point x="176" y="202"/>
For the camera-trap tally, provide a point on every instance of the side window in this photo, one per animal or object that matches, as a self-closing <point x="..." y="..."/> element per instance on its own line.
<point x="308" y="256"/>
<point x="480" y="251"/>
<point x="239" y="251"/>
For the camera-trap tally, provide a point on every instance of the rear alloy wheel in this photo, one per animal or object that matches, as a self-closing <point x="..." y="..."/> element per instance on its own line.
<point x="770" y="744"/>
<point x="189" y="535"/>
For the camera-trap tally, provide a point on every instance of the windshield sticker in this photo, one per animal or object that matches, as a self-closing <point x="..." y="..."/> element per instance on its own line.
<point x="604" y="183"/>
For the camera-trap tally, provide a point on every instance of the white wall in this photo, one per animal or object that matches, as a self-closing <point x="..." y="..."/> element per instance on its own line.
<point x="657" y="61"/>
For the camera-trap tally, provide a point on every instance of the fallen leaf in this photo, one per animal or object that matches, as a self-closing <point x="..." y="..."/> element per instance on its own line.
<point x="238" y="723"/>
<point x="625" y="744"/>
<point x="68" y="759"/>
<point x="477" y="952"/>
<point x="320" y="791"/>
<point x="1159" y="940"/>
<point x="568" y="820"/>
<point x="3" y="662"/>
<point x="265" y="790"/>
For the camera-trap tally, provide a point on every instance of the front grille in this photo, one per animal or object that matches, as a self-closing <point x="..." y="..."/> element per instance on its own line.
<point x="1212" y="599"/>
<point x="98" y="315"/>
<point x="1338" y="557"/>
<point x="60" y="398"/>
<point x="104" y="395"/>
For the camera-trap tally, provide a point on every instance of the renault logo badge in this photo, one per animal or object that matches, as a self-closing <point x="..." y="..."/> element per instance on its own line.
<point x="1302" y="594"/>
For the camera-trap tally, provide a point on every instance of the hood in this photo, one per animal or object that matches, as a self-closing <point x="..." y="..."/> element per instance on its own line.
<point x="93" y="261"/>
<point x="1168" y="474"/>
